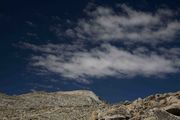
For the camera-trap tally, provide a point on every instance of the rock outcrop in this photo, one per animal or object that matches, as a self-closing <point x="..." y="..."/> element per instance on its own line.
<point x="85" y="105"/>
<point x="155" y="107"/>
<point x="74" y="105"/>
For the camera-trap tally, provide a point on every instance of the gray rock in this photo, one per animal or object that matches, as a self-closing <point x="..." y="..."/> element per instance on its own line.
<point x="85" y="105"/>
<point x="49" y="106"/>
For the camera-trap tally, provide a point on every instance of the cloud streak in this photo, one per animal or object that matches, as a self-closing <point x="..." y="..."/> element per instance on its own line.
<point x="126" y="25"/>
<point x="92" y="55"/>
<point x="103" y="61"/>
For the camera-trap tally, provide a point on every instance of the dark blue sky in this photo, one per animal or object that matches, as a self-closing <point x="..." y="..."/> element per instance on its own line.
<point x="25" y="26"/>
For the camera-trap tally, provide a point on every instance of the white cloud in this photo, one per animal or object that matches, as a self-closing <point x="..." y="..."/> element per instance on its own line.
<point x="104" y="61"/>
<point x="89" y="57"/>
<point x="126" y="25"/>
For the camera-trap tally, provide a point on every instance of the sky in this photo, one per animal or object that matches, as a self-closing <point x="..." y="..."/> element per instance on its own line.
<point x="119" y="49"/>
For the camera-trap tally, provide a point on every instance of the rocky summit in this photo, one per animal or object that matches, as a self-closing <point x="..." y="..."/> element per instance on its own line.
<point x="85" y="105"/>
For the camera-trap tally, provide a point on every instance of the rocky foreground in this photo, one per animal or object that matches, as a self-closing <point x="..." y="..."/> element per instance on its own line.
<point x="85" y="105"/>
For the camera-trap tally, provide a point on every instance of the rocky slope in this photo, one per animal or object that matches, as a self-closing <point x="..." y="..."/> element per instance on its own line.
<point x="85" y="105"/>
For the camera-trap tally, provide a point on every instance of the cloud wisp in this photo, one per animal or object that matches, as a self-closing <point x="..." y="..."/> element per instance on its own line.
<point x="127" y="25"/>
<point x="103" y="25"/>
<point x="103" y="61"/>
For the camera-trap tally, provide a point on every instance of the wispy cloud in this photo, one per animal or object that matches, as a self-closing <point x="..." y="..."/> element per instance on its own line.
<point x="103" y="61"/>
<point x="127" y="25"/>
<point x="31" y="24"/>
<point x="92" y="54"/>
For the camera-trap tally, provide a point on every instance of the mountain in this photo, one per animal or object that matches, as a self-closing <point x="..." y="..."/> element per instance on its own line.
<point x="85" y="105"/>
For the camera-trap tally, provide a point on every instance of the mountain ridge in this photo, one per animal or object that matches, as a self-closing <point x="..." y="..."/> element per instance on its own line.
<point x="86" y="105"/>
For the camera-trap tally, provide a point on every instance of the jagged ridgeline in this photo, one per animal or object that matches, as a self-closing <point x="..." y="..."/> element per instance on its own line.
<point x="85" y="105"/>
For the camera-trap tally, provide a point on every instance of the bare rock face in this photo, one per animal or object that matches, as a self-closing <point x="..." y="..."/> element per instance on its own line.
<point x="85" y="105"/>
<point x="73" y="105"/>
